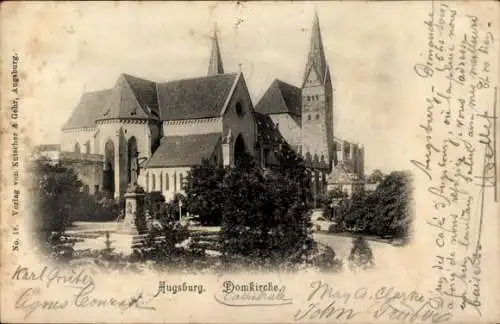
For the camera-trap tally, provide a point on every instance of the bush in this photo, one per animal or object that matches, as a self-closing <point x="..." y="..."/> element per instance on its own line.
<point x="324" y="259"/>
<point x="164" y="230"/>
<point x="153" y="202"/>
<point x="361" y="256"/>
<point x="98" y="208"/>
<point x="335" y="228"/>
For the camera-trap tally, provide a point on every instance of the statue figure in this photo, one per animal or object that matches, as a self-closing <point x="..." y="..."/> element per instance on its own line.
<point x="229" y="137"/>
<point x="134" y="168"/>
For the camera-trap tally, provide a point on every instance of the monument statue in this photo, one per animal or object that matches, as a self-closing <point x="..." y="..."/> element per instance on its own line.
<point x="229" y="137"/>
<point x="134" y="168"/>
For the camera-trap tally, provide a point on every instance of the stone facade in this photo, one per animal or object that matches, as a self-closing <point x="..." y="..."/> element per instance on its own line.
<point x="173" y="125"/>
<point x="88" y="166"/>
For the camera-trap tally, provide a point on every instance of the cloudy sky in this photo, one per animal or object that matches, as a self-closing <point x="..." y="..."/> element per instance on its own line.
<point x="67" y="49"/>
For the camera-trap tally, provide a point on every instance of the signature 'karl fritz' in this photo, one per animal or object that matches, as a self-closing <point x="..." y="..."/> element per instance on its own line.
<point x="33" y="299"/>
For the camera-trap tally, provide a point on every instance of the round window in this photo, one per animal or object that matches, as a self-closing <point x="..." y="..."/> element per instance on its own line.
<point x="239" y="109"/>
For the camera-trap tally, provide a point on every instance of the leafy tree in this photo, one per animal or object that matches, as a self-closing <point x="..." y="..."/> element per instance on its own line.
<point x="384" y="212"/>
<point x="393" y="206"/>
<point x="375" y="177"/>
<point x="58" y="200"/>
<point x="58" y="197"/>
<point x="265" y="215"/>
<point x="204" y="193"/>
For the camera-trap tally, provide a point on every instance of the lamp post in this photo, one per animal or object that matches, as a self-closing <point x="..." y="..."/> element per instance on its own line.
<point x="180" y="210"/>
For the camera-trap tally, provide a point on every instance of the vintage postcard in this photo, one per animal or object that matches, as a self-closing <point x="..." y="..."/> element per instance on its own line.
<point x="264" y="162"/>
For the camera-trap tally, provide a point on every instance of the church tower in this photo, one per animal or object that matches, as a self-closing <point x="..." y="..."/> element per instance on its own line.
<point x="215" y="65"/>
<point x="317" y="102"/>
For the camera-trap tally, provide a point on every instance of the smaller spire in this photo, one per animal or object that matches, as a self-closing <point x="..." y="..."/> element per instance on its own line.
<point x="215" y="65"/>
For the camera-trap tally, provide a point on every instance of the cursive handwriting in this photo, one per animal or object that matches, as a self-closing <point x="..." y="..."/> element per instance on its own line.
<point x="33" y="299"/>
<point x="459" y="157"/>
<point x="325" y="301"/>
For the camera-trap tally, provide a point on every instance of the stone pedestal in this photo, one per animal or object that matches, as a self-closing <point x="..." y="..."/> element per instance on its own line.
<point x="134" y="223"/>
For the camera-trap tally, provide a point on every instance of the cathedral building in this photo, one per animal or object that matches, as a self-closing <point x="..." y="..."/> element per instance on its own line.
<point x="172" y="126"/>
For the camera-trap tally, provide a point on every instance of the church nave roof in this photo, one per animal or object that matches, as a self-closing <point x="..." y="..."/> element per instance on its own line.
<point x="188" y="150"/>
<point x="195" y="98"/>
<point x="88" y="110"/>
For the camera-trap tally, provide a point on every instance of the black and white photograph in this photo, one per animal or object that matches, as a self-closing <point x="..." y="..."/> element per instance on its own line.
<point x="265" y="161"/>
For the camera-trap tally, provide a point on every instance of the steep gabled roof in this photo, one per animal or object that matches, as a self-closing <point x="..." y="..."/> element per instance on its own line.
<point x="145" y="92"/>
<point x="280" y="97"/>
<point x="90" y="107"/>
<point x="131" y="98"/>
<point x="175" y="151"/>
<point x="195" y="98"/>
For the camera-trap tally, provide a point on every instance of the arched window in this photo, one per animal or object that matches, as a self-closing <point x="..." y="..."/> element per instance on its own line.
<point x="308" y="117"/>
<point x="317" y="116"/>
<point x="147" y="181"/>
<point x="77" y="148"/>
<point x="239" y="109"/>
<point x="161" y="182"/>
<point x="153" y="182"/>
<point x="181" y="180"/>
<point x="167" y="181"/>
<point x="87" y="147"/>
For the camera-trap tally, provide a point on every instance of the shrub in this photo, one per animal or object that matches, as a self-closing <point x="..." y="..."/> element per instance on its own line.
<point x="325" y="259"/>
<point x="361" y="256"/>
<point x="164" y="231"/>
<point x="335" y="228"/>
<point x="153" y="202"/>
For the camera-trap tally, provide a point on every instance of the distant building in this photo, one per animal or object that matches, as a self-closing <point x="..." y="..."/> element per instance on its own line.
<point x="173" y="125"/>
<point x="50" y="152"/>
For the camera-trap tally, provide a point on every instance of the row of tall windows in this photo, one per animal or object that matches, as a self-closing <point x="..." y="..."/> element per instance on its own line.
<point x="162" y="181"/>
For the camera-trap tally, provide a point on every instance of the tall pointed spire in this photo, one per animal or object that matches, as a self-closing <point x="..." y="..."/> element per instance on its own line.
<point x="215" y="65"/>
<point x="316" y="57"/>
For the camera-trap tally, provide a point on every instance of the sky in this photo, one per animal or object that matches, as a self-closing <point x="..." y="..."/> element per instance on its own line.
<point x="71" y="48"/>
